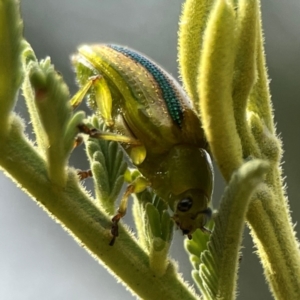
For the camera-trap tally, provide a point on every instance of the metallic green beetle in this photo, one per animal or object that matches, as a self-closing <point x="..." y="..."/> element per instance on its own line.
<point x="157" y="125"/>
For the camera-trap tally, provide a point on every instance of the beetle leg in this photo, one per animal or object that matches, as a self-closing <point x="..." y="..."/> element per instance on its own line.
<point x="108" y="136"/>
<point x="137" y="186"/>
<point x="78" y="141"/>
<point x="102" y="97"/>
<point x="79" y="96"/>
<point x="206" y="230"/>
<point x="84" y="174"/>
<point x="120" y="213"/>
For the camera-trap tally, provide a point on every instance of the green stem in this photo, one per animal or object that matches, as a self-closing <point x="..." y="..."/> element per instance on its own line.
<point x="75" y="211"/>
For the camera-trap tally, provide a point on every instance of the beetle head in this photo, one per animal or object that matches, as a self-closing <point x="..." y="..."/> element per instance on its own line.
<point x="192" y="212"/>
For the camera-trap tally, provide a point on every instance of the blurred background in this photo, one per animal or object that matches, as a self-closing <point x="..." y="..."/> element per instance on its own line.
<point x="38" y="260"/>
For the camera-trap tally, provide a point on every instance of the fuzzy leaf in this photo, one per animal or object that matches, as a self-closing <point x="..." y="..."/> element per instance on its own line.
<point x="155" y="229"/>
<point x="167" y="226"/>
<point x="57" y="129"/>
<point x="108" y="167"/>
<point x="215" y="88"/>
<point x="154" y="220"/>
<point x="192" y="25"/>
<point x="139" y="214"/>
<point x="260" y="99"/>
<point x="41" y="138"/>
<point x="245" y="72"/>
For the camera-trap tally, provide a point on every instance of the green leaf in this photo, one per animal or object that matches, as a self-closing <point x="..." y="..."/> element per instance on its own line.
<point x="215" y="88"/>
<point x="153" y="220"/>
<point x="192" y="25"/>
<point x="155" y="229"/>
<point x="55" y="126"/>
<point x="29" y="60"/>
<point x="245" y="73"/>
<point x="108" y="167"/>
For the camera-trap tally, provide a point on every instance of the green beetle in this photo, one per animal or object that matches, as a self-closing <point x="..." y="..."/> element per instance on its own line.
<point x="157" y="126"/>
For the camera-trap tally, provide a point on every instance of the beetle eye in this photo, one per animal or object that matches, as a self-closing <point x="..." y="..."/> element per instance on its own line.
<point x="185" y="204"/>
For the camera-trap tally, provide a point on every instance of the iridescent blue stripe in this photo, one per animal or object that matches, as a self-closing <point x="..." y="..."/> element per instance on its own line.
<point x="169" y="95"/>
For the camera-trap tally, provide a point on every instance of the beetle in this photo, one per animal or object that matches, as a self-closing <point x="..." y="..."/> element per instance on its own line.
<point x="157" y="125"/>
